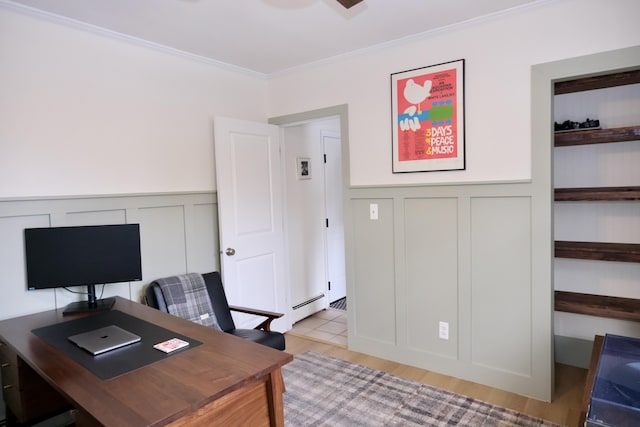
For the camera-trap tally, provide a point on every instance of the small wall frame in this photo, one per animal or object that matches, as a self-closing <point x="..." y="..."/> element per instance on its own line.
<point x="304" y="167"/>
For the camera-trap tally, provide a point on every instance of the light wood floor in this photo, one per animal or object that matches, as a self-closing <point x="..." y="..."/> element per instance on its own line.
<point x="565" y="409"/>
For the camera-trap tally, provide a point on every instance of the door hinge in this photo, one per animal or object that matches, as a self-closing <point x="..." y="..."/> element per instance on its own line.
<point x="325" y="158"/>
<point x="329" y="285"/>
<point x="326" y="222"/>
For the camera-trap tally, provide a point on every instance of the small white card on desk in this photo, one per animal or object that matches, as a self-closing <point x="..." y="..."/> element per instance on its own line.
<point x="171" y="345"/>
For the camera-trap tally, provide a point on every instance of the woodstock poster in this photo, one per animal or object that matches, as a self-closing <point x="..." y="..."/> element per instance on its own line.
<point x="428" y="118"/>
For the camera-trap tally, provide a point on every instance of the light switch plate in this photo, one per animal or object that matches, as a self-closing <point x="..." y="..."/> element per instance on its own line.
<point x="444" y="330"/>
<point x="373" y="211"/>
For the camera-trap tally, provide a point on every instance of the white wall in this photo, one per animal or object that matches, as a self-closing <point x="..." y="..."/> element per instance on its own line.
<point x="499" y="53"/>
<point x="87" y="114"/>
<point x="83" y="113"/>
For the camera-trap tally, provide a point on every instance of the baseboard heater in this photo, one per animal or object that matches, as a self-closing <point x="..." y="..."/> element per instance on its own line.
<point x="295" y="307"/>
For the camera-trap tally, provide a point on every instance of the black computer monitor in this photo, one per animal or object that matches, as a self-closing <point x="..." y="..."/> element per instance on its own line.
<point x="86" y="255"/>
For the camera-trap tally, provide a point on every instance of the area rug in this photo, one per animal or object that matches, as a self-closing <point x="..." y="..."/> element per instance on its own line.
<point x="324" y="391"/>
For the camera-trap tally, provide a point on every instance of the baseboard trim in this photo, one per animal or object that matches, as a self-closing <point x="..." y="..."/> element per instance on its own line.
<point x="573" y="351"/>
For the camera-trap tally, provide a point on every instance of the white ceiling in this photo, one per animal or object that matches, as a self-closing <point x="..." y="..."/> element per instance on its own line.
<point x="268" y="36"/>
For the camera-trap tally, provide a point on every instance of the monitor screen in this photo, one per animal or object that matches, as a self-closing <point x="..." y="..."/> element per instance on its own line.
<point x="87" y="255"/>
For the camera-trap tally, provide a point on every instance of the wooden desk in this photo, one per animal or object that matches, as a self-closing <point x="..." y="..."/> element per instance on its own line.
<point x="225" y="381"/>
<point x="591" y="378"/>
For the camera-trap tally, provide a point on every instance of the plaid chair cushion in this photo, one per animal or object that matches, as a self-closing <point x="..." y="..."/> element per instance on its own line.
<point x="186" y="296"/>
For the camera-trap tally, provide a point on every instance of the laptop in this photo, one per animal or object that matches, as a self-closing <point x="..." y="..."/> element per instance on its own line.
<point x="105" y="339"/>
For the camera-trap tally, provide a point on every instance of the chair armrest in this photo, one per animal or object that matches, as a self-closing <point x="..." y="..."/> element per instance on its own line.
<point x="266" y="324"/>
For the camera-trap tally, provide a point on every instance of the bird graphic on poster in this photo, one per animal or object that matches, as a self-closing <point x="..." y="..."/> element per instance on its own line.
<point x="415" y="94"/>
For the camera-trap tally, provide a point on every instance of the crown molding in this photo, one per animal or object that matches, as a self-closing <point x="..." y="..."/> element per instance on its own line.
<point x="103" y="32"/>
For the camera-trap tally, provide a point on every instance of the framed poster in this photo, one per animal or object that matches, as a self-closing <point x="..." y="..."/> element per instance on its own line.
<point x="427" y="115"/>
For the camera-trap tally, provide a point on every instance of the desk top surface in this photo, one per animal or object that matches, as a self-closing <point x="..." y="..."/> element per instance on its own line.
<point x="155" y="394"/>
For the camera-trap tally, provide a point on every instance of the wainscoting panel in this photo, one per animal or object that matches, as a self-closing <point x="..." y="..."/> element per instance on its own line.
<point x="178" y="234"/>
<point x="431" y="263"/>
<point x="201" y="230"/>
<point x="374" y="288"/>
<point x="13" y="282"/>
<point x="100" y="217"/>
<point x="501" y="272"/>
<point x="466" y="255"/>
<point x="167" y="249"/>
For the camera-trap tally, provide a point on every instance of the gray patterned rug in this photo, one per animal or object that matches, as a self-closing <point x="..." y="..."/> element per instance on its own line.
<point x="323" y="391"/>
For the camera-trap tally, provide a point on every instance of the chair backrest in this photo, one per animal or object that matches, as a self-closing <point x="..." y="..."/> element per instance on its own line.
<point x="219" y="300"/>
<point x="154" y="298"/>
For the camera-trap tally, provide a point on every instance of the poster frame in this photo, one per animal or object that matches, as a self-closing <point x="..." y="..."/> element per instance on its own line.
<point x="419" y="143"/>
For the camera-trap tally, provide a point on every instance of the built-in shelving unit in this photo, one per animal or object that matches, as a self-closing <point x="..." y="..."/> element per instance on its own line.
<point x="582" y="303"/>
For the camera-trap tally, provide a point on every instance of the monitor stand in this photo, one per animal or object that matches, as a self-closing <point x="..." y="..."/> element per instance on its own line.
<point x="91" y="305"/>
<point x="86" y="307"/>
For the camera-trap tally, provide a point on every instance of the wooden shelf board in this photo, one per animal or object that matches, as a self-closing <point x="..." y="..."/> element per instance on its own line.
<point x="597" y="136"/>
<point x="597" y="193"/>
<point x="622" y="252"/>
<point x="597" y="82"/>
<point x="598" y="305"/>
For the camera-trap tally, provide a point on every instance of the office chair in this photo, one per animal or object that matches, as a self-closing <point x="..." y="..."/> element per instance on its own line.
<point x="262" y="333"/>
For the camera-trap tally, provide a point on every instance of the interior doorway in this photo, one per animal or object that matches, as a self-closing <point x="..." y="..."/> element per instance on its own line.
<point x="309" y="206"/>
<point x="313" y="211"/>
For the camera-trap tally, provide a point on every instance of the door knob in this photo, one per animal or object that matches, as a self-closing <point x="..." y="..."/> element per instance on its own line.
<point x="230" y="251"/>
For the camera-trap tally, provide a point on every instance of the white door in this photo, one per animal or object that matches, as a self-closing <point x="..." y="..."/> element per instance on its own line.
<point x="336" y="275"/>
<point x="250" y="217"/>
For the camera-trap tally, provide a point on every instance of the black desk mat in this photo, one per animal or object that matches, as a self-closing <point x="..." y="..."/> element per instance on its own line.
<point x="115" y="362"/>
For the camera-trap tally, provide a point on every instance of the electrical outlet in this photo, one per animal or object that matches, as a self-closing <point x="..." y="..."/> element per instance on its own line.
<point x="373" y="211"/>
<point x="443" y="330"/>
